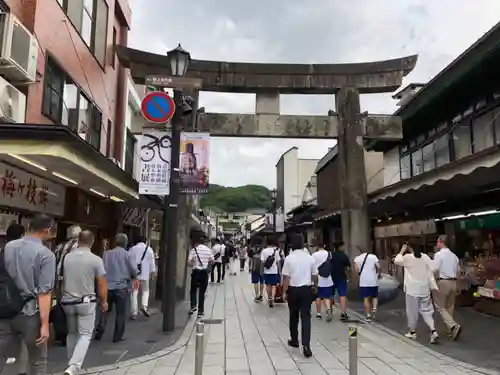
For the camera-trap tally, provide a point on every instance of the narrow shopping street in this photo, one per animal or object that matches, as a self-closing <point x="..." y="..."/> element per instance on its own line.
<point x="252" y="340"/>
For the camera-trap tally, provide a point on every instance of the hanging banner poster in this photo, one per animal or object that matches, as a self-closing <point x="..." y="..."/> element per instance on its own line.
<point x="194" y="162"/>
<point x="155" y="151"/>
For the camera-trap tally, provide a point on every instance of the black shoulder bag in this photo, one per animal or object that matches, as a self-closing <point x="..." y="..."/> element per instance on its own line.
<point x="363" y="265"/>
<point x="208" y="268"/>
<point x="139" y="266"/>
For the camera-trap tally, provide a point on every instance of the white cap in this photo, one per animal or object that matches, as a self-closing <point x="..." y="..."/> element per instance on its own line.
<point x="73" y="231"/>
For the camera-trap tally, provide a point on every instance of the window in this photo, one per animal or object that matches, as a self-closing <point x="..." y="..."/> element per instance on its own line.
<point x="83" y="117"/>
<point x="462" y="141"/>
<point x="109" y="129"/>
<point x="95" y="127"/>
<point x="90" y="19"/>
<point x="442" y="150"/>
<point x="482" y="131"/>
<point x="496" y="121"/>
<point x="113" y="52"/>
<point x="428" y="157"/>
<point x="404" y="166"/>
<point x="65" y="103"/>
<point x="87" y="21"/>
<point x="70" y="99"/>
<point x="417" y="162"/>
<point x="52" y="103"/>
<point x="130" y="142"/>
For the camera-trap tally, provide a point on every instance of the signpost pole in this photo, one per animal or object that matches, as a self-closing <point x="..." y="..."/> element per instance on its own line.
<point x="170" y="222"/>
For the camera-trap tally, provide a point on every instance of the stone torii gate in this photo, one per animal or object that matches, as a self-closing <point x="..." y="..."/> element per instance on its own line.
<point x="268" y="81"/>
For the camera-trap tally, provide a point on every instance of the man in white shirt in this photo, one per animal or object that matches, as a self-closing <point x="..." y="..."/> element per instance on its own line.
<point x="145" y="259"/>
<point x="270" y="257"/>
<point x="419" y="281"/>
<point x="200" y="259"/>
<point x="300" y="283"/>
<point x="217" y="251"/>
<point x="447" y="270"/>
<point x="322" y="262"/>
<point x="367" y="267"/>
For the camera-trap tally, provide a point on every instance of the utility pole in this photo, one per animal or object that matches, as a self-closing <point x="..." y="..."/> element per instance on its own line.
<point x="170" y="217"/>
<point x="274" y="195"/>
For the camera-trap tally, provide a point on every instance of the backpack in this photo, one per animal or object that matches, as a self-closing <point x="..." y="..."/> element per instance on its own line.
<point x="11" y="301"/>
<point x="325" y="268"/>
<point x="256" y="262"/>
<point x="268" y="263"/>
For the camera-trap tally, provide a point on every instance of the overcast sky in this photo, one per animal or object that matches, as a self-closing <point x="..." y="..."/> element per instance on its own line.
<point x="298" y="31"/>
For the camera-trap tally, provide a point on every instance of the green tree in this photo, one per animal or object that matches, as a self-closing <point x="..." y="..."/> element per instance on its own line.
<point x="237" y="199"/>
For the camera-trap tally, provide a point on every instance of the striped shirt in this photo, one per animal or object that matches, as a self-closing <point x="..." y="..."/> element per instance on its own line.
<point x="204" y="255"/>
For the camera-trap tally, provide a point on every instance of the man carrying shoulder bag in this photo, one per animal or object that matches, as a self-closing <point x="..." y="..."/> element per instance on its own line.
<point x="201" y="260"/>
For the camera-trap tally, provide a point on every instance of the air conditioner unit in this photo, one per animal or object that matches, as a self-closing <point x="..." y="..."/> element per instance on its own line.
<point x="12" y="103"/>
<point x="19" y="51"/>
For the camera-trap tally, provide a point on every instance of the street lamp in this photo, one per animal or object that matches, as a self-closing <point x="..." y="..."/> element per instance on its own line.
<point x="274" y="194"/>
<point x="179" y="60"/>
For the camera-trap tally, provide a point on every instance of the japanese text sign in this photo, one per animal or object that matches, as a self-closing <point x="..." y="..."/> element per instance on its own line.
<point x="23" y="190"/>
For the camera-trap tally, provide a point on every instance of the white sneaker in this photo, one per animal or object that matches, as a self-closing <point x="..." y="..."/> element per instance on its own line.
<point x="70" y="371"/>
<point x="411" y="335"/>
<point x="434" y="337"/>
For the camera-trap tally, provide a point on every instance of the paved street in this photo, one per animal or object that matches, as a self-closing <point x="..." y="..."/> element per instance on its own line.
<point x="478" y="344"/>
<point x="253" y="338"/>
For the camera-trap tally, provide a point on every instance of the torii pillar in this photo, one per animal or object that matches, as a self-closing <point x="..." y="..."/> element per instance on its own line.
<point x="352" y="174"/>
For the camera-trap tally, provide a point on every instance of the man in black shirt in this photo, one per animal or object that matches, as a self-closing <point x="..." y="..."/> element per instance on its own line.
<point x="341" y="265"/>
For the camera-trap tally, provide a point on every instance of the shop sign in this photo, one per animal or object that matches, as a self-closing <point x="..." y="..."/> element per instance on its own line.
<point x="23" y="190"/>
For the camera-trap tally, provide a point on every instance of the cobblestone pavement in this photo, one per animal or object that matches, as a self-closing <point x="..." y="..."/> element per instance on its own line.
<point x="252" y="340"/>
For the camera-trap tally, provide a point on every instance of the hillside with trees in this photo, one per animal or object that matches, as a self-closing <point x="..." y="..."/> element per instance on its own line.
<point x="237" y="199"/>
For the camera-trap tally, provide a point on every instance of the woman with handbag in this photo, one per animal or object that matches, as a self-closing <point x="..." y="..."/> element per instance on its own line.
<point x="201" y="260"/>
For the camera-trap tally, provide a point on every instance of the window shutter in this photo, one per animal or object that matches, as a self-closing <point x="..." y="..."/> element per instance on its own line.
<point x="101" y="31"/>
<point x="75" y="12"/>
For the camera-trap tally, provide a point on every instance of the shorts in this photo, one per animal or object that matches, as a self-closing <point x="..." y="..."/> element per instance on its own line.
<point x="368" y="291"/>
<point x="325" y="292"/>
<point x="257" y="278"/>
<point x="271" y="279"/>
<point x="340" y="286"/>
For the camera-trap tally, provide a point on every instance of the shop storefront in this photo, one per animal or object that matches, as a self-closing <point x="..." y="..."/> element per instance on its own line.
<point x="476" y="241"/>
<point x="390" y="238"/>
<point x="24" y="194"/>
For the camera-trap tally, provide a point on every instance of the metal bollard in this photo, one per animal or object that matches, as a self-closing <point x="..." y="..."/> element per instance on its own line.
<point x="199" y="348"/>
<point x="353" y="350"/>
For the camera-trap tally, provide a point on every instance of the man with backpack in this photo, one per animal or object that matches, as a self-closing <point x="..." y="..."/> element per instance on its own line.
<point x="340" y="268"/>
<point x="27" y="276"/>
<point x="256" y="265"/>
<point x="270" y="257"/>
<point x="322" y="260"/>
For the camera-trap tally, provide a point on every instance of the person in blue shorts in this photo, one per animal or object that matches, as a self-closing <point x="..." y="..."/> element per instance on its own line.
<point x="270" y="257"/>
<point x="341" y="266"/>
<point x="367" y="267"/>
<point x="255" y="271"/>
<point x="325" y="284"/>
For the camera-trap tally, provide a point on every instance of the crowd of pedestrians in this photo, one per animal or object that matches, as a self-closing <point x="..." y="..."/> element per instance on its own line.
<point x="76" y="290"/>
<point x="71" y="288"/>
<point x="302" y="275"/>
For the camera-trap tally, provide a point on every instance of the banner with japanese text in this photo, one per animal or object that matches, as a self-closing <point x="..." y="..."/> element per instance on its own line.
<point x="155" y="150"/>
<point x="23" y="190"/>
<point x="194" y="163"/>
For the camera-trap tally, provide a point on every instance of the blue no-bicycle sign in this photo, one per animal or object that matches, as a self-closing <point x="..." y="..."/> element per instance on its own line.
<point x="158" y="107"/>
